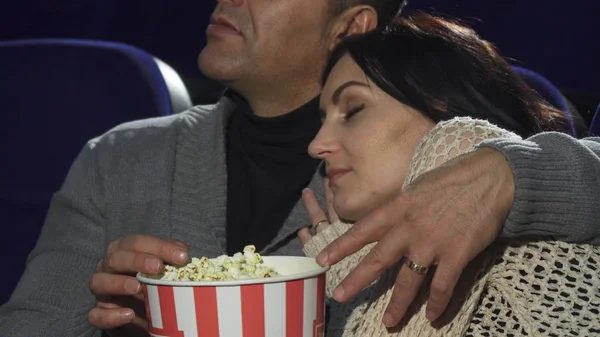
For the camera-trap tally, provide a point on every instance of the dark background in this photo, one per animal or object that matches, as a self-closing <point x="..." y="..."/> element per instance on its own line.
<point x="558" y="39"/>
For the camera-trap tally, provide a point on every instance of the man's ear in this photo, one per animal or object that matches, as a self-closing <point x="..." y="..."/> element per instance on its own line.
<point x="355" y="20"/>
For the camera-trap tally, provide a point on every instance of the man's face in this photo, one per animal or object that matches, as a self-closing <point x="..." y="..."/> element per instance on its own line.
<point x="266" y="43"/>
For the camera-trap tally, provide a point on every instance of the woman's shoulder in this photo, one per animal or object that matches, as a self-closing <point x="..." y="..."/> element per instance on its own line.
<point x="463" y="133"/>
<point x="449" y="139"/>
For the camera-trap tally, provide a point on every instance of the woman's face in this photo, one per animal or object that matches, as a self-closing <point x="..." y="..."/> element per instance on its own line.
<point x="367" y="140"/>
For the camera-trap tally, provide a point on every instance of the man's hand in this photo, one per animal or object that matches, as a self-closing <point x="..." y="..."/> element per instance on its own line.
<point x="445" y="218"/>
<point x="120" y="308"/>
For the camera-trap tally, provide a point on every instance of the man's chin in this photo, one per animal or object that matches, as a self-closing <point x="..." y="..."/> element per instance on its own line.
<point x="218" y="69"/>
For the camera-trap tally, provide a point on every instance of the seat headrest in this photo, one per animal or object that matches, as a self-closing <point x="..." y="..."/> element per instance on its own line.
<point x="548" y="91"/>
<point x="595" y="125"/>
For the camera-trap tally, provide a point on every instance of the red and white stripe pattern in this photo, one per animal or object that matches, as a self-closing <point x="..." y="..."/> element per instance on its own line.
<point x="288" y="309"/>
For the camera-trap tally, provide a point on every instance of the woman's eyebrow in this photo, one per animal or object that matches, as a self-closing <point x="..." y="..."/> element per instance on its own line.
<point x="335" y="97"/>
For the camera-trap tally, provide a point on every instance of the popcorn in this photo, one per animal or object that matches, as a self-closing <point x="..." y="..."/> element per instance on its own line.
<point x="240" y="266"/>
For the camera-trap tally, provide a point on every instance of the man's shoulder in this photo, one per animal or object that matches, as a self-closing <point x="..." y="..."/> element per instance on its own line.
<point x="154" y="140"/>
<point x="157" y="131"/>
<point x="158" y="126"/>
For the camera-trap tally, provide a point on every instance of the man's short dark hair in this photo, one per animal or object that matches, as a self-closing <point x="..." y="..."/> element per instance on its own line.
<point x="386" y="9"/>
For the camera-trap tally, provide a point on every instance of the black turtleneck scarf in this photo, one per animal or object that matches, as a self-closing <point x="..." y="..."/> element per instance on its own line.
<point x="267" y="167"/>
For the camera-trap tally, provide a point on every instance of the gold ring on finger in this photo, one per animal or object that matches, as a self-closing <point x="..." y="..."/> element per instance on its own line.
<point x="316" y="226"/>
<point x="417" y="268"/>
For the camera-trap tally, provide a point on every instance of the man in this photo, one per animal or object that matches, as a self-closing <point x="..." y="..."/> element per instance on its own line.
<point x="215" y="177"/>
<point x="180" y="178"/>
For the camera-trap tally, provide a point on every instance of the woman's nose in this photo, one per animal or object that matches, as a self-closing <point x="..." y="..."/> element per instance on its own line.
<point x="324" y="144"/>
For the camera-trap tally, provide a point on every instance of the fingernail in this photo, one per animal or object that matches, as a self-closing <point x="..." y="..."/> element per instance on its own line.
<point x="179" y="256"/>
<point x="306" y="191"/>
<point x="132" y="285"/>
<point x="323" y="259"/>
<point x="127" y="315"/>
<point x="152" y="265"/>
<point x="338" y="293"/>
<point x="388" y="320"/>
<point x="430" y="315"/>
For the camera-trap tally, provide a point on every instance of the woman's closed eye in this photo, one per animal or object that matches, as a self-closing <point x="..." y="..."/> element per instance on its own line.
<point x="353" y="111"/>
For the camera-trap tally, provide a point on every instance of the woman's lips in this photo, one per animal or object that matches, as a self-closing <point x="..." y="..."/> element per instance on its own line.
<point x="335" y="175"/>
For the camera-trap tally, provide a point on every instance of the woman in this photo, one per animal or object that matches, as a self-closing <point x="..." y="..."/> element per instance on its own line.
<point x="400" y="102"/>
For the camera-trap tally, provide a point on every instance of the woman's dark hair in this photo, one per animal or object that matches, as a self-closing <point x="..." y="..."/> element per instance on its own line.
<point x="445" y="70"/>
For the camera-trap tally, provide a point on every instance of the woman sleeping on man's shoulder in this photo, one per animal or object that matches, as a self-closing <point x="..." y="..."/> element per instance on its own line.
<point x="401" y="101"/>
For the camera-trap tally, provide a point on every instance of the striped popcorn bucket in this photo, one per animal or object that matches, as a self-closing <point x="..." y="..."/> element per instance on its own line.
<point x="290" y="305"/>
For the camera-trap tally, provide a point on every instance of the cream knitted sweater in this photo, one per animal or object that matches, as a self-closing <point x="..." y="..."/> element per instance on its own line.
<point x="543" y="288"/>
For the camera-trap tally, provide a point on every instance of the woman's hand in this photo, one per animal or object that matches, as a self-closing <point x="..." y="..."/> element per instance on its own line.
<point x="318" y="219"/>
